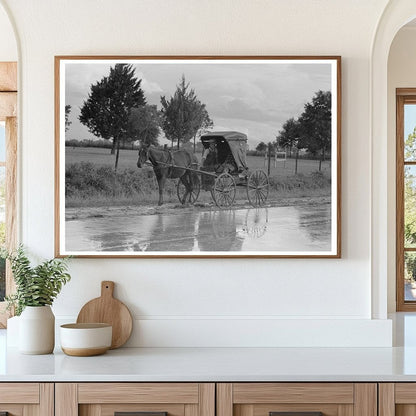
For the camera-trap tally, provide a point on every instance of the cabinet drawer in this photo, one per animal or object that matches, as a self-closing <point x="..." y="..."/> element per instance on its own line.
<point x="145" y="399"/>
<point x="138" y="393"/>
<point x="297" y="399"/>
<point x="19" y="393"/>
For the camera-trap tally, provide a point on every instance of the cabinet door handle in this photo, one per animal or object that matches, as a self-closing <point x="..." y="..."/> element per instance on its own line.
<point x="138" y="414"/>
<point x="295" y="413"/>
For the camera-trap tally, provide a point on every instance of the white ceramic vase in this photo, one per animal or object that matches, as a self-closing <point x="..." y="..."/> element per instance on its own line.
<point x="12" y="334"/>
<point x="37" y="330"/>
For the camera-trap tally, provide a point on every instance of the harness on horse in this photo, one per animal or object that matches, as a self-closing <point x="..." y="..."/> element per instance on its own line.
<point x="170" y="161"/>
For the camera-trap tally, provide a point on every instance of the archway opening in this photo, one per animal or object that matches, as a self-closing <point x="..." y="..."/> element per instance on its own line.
<point x="383" y="256"/>
<point x="401" y="156"/>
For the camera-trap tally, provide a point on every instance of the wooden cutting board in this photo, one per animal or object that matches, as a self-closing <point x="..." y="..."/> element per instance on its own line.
<point x="108" y="310"/>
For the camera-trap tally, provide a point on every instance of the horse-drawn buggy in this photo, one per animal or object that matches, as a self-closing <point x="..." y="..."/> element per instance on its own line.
<point x="223" y="169"/>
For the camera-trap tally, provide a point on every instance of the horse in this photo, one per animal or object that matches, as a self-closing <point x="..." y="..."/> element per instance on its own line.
<point x="169" y="164"/>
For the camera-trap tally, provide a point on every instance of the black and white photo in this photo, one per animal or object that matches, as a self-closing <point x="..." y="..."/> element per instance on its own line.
<point x="198" y="156"/>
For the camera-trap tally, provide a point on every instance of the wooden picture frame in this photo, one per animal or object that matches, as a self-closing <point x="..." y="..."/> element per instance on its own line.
<point x="246" y="114"/>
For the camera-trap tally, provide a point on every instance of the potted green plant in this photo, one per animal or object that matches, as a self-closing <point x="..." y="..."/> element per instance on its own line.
<point x="36" y="289"/>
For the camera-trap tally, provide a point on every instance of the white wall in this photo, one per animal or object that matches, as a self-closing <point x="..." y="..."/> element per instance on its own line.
<point x="277" y="301"/>
<point x="401" y="74"/>
<point x="8" y="47"/>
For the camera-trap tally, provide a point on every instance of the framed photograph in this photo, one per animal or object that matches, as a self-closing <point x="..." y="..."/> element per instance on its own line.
<point x="185" y="156"/>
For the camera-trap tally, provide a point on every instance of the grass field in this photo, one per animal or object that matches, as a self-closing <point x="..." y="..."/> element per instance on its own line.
<point x="128" y="159"/>
<point x="90" y="180"/>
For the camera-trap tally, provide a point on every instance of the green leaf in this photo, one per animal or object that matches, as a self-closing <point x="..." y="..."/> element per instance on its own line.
<point x="35" y="286"/>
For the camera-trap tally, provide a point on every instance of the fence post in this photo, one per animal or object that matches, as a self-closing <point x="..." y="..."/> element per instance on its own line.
<point x="296" y="161"/>
<point x="269" y="155"/>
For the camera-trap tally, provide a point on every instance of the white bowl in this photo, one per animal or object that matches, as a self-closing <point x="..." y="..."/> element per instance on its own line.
<point x="83" y="340"/>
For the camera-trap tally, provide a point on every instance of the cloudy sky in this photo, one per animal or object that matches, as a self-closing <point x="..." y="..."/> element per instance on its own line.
<point x="253" y="98"/>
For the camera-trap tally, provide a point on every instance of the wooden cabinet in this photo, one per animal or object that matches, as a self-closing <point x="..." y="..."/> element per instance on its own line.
<point x="27" y="399"/>
<point x="107" y="399"/>
<point x="208" y="399"/>
<point x="397" y="399"/>
<point x="297" y="399"/>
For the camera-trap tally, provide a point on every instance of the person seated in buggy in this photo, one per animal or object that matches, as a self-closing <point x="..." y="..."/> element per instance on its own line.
<point x="211" y="163"/>
<point x="228" y="166"/>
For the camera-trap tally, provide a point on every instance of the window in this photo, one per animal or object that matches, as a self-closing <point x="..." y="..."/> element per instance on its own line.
<point x="406" y="199"/>
<point x="8" y="165"/>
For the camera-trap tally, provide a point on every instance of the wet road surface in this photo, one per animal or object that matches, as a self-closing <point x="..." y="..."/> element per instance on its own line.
<point x="281" y="229"/>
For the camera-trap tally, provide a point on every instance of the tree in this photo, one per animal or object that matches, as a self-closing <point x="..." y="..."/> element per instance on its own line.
<point x="261" y="147"/>
<point x="202" y="120"/>
<point x="144" y="123"/>
<point x="315" y="125"/>
<point x="410" y="191"/>
<point x="107" y="110"/>
<point x="183" y="115"/>
<point x="410" y="146"/>
<point x="67" y="113"/>
<point x="289" y="135"/>
<point x="410" y="206"/>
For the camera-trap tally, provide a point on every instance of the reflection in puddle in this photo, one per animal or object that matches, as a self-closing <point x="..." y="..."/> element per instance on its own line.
<point x="304" y="228"/>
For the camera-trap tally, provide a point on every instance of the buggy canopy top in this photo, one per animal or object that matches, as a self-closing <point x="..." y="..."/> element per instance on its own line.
<point x="227" y="142"/>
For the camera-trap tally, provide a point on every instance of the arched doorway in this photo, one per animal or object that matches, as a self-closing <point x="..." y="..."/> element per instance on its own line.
<point x="396" y="15"/>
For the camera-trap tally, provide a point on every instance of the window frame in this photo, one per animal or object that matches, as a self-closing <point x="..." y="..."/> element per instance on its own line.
<point x="8" y="113"/>
<point x="403" y="96"/>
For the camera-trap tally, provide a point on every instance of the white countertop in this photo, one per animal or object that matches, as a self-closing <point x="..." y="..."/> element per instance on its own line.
<point x="215" y="364"/>
<point x="222" y="364"/>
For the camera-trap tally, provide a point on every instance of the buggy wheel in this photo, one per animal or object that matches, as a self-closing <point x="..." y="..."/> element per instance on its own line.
<point x="256" y="222"/>
<point x="183" y="194"/>
<point x="223" y="191"/>
<point x="257" y="188"/>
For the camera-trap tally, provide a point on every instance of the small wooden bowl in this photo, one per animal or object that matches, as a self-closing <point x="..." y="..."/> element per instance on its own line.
<point x="84" y="340"/>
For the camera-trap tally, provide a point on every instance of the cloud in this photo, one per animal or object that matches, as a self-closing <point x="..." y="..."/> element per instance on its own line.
<point x="253" y="98"/>
<point x="240" y="109"/>
<point x="255" y="131"/>
<point x="149" y="87"/>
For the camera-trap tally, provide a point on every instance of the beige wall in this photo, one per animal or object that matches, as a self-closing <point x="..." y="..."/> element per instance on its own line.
<point x="206" y="300"/>
<point x="8" y="47"/>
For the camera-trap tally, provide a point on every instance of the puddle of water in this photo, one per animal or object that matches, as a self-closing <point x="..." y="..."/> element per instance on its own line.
<point x="295" y="229"/>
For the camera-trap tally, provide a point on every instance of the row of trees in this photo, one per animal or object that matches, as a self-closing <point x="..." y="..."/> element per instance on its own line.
<point x="312" y="130"/>
<point x="116" y="110"/>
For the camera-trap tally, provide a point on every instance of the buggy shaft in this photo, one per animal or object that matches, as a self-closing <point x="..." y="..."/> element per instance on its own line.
<point x="199" y="171"/>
